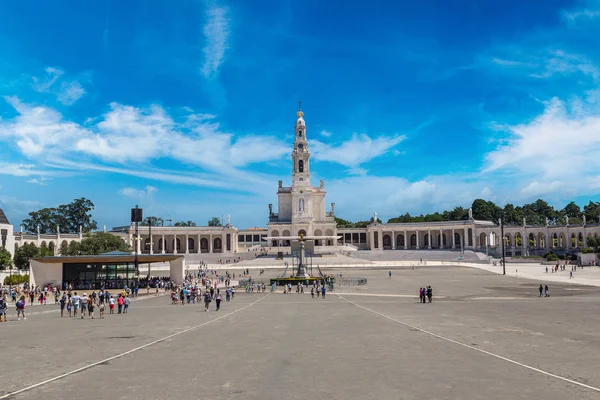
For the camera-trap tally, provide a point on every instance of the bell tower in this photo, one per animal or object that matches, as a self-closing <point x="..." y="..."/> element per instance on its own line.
<point x="300" y="154"/>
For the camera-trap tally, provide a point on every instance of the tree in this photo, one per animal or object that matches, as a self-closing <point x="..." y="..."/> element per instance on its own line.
<point x="342" y="223"/>
<point x="214" y="221"/>
<point x="156" y="221"/>
<point x="592" y="212"/>
<point x="486" y="210"/>
<point x="69" y="217"/>
<point x="24" y="253"/>
<point x="594" y="243"/>
<point x="183" y="223"/>
<point x="5" y="259"/>
<point x="97" y="243"/>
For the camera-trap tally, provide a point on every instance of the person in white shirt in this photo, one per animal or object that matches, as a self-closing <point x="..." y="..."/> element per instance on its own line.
<point x="75" y="300"/>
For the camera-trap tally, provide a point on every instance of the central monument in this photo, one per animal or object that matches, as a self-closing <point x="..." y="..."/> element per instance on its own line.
<point x="301" y="272"/>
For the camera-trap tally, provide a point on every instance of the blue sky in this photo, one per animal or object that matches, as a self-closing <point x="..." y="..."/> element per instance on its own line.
<point x="187" y="108"/>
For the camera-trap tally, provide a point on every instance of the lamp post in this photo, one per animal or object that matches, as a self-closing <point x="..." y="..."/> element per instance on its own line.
<point x="503" y="253"/>
<point x="136" y="218"/>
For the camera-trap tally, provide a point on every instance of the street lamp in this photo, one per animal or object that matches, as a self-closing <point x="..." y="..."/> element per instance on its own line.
<point x="136" y="218"/>
<point x="503" y="253"/>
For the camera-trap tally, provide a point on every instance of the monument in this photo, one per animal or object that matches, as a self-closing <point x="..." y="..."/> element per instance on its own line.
<point x="301" y="271"/>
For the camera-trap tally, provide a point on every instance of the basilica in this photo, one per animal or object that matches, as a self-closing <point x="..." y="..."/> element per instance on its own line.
<point x="301" y="212"/>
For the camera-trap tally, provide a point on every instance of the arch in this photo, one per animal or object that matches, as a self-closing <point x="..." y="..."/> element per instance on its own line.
<point x="554" y="240"/>
<point x="318" y="241"/>
<point x="203" y="245"/>
<point x="64" y="245"/>
<point x="441" y="240"/>
<point x="300" y="165"/>
<point x="299" y="132"/>
<point x="275" y="233"/>
<point x="483" y="239"/>
<point x="493" y="239"/>
<point x="562" y="240"/>
<point x="470" y="237"/>
<point x="508" y="240"/>
<point x="285" y="233"/>
<point x="52" y="247"/>
<point x="413" y="240"/>
<point x="44" y="244"/>
<point x="573" y="242"/>
<point x="161" y="245"/>
<point x="426" y="240"/>
<point x="178" y="244"/>
<point x="387" y="242"/>
<point x="217" y="245"/>
<point x="580" y="242"/>
<point x="541" y="240"/>
<point x="329" y="232"/>
<point x="302" y="232"/>
<point x="518" y="239"/>
<point x="147" y="245"/>
<point x="191" y="245"/>
<point x="531" y="242"/>
<point x="457" y="239"/>
<point x="399" y="241"/>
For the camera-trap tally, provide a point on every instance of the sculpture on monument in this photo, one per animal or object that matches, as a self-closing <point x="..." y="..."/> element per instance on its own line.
<point x="470" y="213"/>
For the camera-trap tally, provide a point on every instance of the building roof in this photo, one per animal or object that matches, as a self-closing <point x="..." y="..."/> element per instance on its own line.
<point x="3" y="219"/>
<point x="108" y="258"/>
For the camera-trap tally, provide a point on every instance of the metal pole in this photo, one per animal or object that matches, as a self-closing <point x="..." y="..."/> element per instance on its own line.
<point x="503" y="253"/>
<point x="136" y="243"/>
<point x="151" y="250"/>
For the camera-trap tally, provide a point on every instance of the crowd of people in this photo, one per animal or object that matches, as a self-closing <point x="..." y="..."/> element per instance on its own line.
<point x="425" y="294"/>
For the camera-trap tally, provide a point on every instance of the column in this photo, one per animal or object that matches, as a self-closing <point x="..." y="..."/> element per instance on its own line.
<point x="441" y="239"/>
<point x="524" y="240"/>
<point x="372" y="240"/>
<point x="417" y="235"/>
<point x="187" y="250"/>
<point x="429" y="241"/>
<point x="405" y="241"/>
<point x="224" y="243"/>
<point x="163" y="244"/>
<point x="174" y="244"/>
<point x="393" y="240"/>
<point x="380" y="240"/>
<point x="137" y="243"/>
<point x="453" y="239"/>
<point x="210" y="243"/>
<point x="465" y="239"/>
<point x="151" y="245"/>
<point x="198" y="244"/>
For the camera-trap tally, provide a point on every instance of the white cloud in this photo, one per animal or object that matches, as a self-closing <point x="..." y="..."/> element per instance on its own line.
<point x="325" y="133"/>
<point x="359" y="149"/>
<point x="216" y="34"/>
<point x="133" y="193"/>
<point x="582" y="13"/>
<point x="68" y="92"/>
<point x="38" y="181"/>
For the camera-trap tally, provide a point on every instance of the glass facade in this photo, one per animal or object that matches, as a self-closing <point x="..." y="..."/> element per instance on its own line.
<point x="96" y="276"/>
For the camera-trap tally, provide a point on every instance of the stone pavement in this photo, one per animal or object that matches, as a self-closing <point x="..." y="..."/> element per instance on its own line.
<point x="487" y="336"/>
<point x="583" y="276"/>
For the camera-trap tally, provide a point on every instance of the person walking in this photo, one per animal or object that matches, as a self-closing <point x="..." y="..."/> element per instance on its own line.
<point x="63" y="303"/>
<point x="323" y="290"/>
<point x="3" y="309"/>
<point x="547" y="291"/>
<point x="390" y="274"/>
<point x="541" y="290"/>
<point x="429" y="293"/>
<point x="120" y="303"/>
<point x="126" y="302"/>
<point x="218" y="299"/>
<point x="207" y="299"/>
<point x="21" y="308"/>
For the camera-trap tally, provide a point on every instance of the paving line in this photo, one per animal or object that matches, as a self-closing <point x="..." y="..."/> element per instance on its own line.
<point x="86" y="367"/>
<point x="489" y="353"/>
<point x="409" y="296"/>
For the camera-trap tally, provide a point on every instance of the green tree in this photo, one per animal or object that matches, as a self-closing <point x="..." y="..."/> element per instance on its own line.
<point x="5" y="259"/>
<point x="184" y="223"/>
<point x="25" y="253"/>
<point x="594" y="243"/>
<point x="69" y="217"/>
<point x="342" y="223"/>
<point x="156" y="221"/>
<point x="592" y="212"/>
<point x="214" y="221"/>
<point x="97" y="243"/>
<point x="486" y="210"/>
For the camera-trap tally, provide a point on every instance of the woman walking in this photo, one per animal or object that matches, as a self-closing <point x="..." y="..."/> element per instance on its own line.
<point x="218" y="299"/>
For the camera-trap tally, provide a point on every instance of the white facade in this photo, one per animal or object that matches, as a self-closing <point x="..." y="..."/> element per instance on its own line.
<point x="7" y="238"/>
<point x="301" y="206"/>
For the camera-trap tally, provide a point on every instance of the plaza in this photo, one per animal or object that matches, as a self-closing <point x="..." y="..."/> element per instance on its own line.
<point x="485" y="336"/>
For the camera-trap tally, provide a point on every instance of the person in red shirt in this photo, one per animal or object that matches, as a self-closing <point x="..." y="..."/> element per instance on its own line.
<point x="120" y="302"/>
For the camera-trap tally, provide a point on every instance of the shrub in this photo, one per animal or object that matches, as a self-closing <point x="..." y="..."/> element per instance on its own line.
<point x="16" y="280"/>
<point x="552" y="257"/>
<point x="587" y="250"/>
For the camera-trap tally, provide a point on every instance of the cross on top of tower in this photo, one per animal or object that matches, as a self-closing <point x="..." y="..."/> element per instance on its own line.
<point x="300" y="114"/>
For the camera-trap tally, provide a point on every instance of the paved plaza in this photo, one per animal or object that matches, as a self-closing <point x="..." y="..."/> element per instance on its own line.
<point x="485" y="336"/>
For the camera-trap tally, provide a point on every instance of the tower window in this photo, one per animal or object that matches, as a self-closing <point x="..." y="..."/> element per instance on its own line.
<point x="300" y="146"/>
<point x="300" y="133"/>
<point x="300" y="166"/>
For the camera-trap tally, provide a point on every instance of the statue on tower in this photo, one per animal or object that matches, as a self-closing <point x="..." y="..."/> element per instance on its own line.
<point x="228" y="220"/>
<point x="322" y="184"/>
<point x="375" y="219"/>
<point x="270" y="209"/>
<point x="470" y="213"/>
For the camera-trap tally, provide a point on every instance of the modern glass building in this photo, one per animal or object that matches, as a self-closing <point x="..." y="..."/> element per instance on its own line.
<point x="111" y="270"/>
